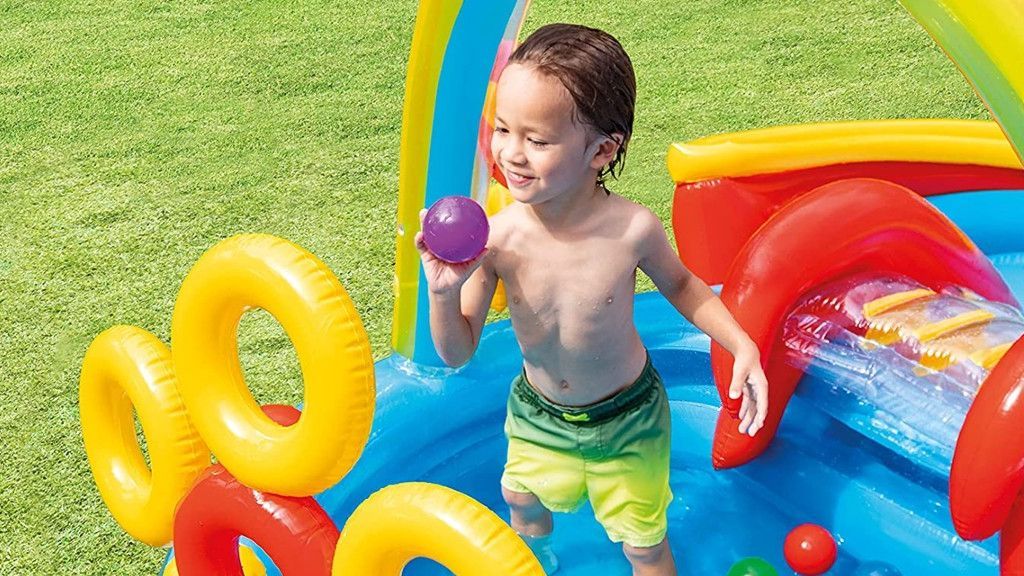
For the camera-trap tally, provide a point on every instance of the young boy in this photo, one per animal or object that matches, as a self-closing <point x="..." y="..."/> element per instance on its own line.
<point x="588" y="415"/>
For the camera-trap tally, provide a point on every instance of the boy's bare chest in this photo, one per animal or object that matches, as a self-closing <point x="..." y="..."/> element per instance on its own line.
<point x="568" y="283"/>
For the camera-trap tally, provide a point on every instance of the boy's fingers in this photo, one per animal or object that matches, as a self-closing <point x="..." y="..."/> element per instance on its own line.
<point x="746" y="414"/>
<point x="758" y="423"/>
<point x="762" y="400"/>
<point x="423" y="214"/>
<point x="736" y="386"/>
<point x="746" y="421"/>
<point x="761" y="412"/>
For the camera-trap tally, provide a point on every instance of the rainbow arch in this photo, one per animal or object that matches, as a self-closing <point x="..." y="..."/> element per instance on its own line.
<point x="453" y="53"/>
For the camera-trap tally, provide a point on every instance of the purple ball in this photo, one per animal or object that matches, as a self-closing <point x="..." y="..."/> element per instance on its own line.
<point x="455" y="229"/>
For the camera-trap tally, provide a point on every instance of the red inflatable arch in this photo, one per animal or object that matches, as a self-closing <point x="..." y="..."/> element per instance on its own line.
<point x="842" y="228"/>
<point x="712" y="219"/>
<point x="988" y="464"/>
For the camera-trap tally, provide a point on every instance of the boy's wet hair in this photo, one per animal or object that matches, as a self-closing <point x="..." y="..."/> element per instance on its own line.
<point x="598" y="74"/>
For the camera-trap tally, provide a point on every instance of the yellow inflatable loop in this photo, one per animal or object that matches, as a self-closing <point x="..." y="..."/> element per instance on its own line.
<point x="413" y="520"/>
<point x="261" y="271"/>
<point x="251" y="564"/>
<point x="124" y="367"/>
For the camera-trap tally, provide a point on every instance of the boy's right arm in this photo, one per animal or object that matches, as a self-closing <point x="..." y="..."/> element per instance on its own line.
<point x="460" y="295"/>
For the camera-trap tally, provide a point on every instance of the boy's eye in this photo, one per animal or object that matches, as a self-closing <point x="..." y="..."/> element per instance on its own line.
<point x="538" y="143"/>
<point x="501" y="130"/>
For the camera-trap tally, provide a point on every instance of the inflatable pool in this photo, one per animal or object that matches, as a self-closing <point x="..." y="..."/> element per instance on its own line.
<point x="878" y="265"/>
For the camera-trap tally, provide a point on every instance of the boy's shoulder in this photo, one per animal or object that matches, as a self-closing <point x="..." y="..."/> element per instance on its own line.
<point x="506" y="219"/>
<point x="506" y="228"/>
<point x="637" y="221"/>
<point x="631" y="210"/>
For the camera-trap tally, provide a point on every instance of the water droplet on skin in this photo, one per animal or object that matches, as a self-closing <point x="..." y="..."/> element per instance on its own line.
<point x="515" y="299"/>
<point x="610" y="299"/>
<point x="564" y="384"/>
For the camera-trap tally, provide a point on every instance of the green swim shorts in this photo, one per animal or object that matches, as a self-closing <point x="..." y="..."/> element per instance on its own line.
<point x="615" y="451"/>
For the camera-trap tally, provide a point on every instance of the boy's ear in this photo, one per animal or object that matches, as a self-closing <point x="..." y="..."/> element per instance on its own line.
<point x="606" y="151"/>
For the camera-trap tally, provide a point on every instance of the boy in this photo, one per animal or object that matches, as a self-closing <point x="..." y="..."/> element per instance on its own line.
<point x="588" y="415"/>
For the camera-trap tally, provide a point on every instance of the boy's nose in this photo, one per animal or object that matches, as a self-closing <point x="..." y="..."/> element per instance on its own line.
<point x="513" y="154"/>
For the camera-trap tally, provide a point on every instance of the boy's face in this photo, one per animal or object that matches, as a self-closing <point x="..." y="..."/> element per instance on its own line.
<point x="539" y="147"/>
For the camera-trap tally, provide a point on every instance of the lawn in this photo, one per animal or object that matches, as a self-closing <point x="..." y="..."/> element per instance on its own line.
<point x="135" y="135"/>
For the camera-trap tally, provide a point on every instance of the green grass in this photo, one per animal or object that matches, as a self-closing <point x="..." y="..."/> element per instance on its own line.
<point x="133" y="136"/>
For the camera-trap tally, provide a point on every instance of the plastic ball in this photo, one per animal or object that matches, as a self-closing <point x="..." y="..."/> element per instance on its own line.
<point x="752" y="566"/>
<point x="810" y="549"/>
<point x="455" y="229"/>
<point x="282" y="414"/>
<point x="876" y="569"/>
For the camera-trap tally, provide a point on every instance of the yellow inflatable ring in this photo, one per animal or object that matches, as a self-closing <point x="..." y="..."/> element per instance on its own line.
<point x="257" y="270"/>
<point x="418" y="520"/>
<point x="126" y="366"/>
<point x="251" y="564"/>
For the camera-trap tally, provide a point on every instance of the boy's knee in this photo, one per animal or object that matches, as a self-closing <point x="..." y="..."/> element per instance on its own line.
<point x="523" y="501"/>
<point x="529" y="516"/>
<point x="652" y="555"/>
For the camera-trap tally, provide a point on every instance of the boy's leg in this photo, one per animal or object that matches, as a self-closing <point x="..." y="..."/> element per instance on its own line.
<point x="654" y="561"/>
<point x="529" y="516"/>
<point x="532" y="521"/>
<point x="544" y="470"/>
<point x="629" y="486"/>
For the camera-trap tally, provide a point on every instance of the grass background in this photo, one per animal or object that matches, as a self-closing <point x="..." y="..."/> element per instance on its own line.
<point x="134" y="135"/>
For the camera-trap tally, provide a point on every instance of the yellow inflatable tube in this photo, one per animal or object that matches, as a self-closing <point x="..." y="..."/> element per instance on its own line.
<point x="124" y="367"/>
<point x="419" y="520"/>
<point x="783" y="148"/>
<point x="262" y="271"/>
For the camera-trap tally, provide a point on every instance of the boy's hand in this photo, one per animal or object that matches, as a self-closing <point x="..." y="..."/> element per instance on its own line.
<point x="444" y="277"/>
<point x="748" y="380"/>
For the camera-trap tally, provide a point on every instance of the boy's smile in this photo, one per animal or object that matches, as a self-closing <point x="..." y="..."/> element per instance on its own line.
<point x="518" y="180"/>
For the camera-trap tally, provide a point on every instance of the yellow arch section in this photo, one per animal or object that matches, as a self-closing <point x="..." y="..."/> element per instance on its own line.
<point x="413" y="520"/>
<point x="785" y="148"/>
<point x="434" y="22"/>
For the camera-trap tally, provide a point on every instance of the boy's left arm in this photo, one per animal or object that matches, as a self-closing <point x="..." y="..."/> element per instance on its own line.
<point x="702" y="307"/>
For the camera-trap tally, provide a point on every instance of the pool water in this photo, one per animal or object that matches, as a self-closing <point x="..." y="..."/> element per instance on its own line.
<point x="880" y="505"/>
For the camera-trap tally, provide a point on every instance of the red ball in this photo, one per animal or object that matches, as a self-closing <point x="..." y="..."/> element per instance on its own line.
<point x="810" y="549"/>
<point x="282" y="414"/>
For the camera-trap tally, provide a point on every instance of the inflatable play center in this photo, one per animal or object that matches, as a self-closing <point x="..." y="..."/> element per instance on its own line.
<point x="878" y="265"/>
